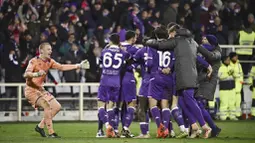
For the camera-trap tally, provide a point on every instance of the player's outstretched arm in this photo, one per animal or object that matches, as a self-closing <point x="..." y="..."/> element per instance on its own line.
<point x="168" y="44"/>
<point x="66" y="67"/>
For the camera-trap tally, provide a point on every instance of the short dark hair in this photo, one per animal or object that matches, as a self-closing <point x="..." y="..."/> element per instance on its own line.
<point x="161" y="32"/>
<point x="115" y="38"/>
<point x="130" y="34"/>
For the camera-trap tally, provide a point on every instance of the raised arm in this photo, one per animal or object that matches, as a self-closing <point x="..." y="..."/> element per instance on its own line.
<point x="66" y="67"/>
<point x="212" y="56"/>
<point x="168" y="44"/>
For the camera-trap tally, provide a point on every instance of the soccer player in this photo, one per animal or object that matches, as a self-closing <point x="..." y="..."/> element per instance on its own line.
<point x="161" y="85"/>
<point x="141" y="58"/>
<point x="128" y="85"/>
<point x="113" y="59"/>
<point x="185" y="49"/>
<point x="207" y="86"/>
<point x="35" y="93"/>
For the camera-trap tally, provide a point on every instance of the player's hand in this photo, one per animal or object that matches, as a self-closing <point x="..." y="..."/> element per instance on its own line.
<point x="85" y="64"/>
<point x="39" y="74"/>
<point x="209" y="71"/>
<point x="42" y="72"/>
<point x="166" y="71"/>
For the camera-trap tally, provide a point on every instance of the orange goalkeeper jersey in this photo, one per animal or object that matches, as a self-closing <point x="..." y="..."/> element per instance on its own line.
<point x="35" y="65"/>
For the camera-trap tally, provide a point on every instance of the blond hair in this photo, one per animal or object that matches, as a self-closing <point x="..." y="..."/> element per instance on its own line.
<point x="43" y="45"/>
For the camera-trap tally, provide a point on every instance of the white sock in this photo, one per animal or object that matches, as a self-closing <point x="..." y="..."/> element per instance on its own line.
<point x="182" y="128"/>
<point x="106" y="124"/>
<point x="187" y="130"/>
<point x="125" y="128"/>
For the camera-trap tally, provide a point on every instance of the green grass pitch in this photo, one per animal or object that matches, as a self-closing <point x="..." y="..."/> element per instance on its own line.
<point x="84" y="132"/>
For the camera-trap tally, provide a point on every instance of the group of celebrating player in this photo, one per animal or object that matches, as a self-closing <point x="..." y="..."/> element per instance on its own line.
<point x="168" y="66"/>
<point x="169" y="77"/>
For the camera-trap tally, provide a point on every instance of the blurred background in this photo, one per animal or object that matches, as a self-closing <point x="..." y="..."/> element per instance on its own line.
<point x="79" y="29"/>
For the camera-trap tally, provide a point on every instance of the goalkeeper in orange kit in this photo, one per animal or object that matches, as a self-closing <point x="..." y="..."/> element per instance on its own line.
<point x="35" y="93"/>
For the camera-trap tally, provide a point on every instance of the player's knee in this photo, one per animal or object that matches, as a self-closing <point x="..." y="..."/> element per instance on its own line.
<point x="58" y="107"/>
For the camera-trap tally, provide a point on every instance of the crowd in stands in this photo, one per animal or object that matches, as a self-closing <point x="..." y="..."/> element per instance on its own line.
<point x="79" y="29"/>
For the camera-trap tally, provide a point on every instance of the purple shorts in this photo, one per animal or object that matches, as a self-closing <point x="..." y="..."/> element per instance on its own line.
<point x="144" y="87"/>
<point x="108" y="93"/>
<point x="161" y="87"/>
<point x="128" y="88"/>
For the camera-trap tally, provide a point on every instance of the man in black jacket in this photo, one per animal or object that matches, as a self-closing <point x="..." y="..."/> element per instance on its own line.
<point x="185" y="49"/>
<point x="207" y="86"/>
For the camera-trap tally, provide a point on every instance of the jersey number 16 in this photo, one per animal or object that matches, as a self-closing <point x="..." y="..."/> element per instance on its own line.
<point x="164" y="58"/>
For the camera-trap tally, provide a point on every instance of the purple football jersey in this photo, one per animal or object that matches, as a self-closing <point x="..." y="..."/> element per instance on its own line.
<point x="128" y="86"/>
<point x="142" y="58"/>
<point x="113" y="59"/>
<point x="161" y="85"/>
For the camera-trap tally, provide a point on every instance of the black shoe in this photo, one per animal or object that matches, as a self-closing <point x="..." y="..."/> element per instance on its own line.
<point x="54" y="135"/>
<point x="216" y="132"/>
<point x="127" y="133"/>
<point x="40" y="131"/>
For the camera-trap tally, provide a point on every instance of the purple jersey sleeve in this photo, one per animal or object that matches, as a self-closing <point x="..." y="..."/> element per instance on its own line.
<point x="202" y="62"/>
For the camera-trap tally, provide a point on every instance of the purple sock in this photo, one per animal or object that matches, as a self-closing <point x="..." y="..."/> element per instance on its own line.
<point x="123" y="115"/>
<point x="156" y="115"/>
<point x="129" y="116"/>
<point x="170" y="126"/>
<point x="192" y="106"/>
<point x="185" y="111"/>
<point x="166" y="117"/>
<point x="147" y="117"/>
<point x="177" y="116"/>
<point x="206" y="115"/>
<point x="102" y="115"/>
<point x="186" y="121"/>
<point x="116" y="112"/>
<point x="144" y="128"/>
<point x="111" y="117"/>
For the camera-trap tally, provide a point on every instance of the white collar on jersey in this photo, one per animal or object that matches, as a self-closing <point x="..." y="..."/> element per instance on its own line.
<point x="125" y="43"/>
<point x="114" y="46"/>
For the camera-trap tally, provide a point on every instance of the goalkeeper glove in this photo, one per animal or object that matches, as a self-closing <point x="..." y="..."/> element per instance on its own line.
<point x="84" y="64"/>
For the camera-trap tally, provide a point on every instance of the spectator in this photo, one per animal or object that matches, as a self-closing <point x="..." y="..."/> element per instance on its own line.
<point x="219" y="30"/>
<point x="27" y="49"/>
<point x="206" y="8"/>
<point x="93" y="74"/>
<point x="66" y="46"/>
<point x="12" y="68"/>
<point x="25" y="11"/>
<point x="47" y="14"/>
<point x="170" y="15"/>
<point x="251" y="22"/>
<point x="233" y="18"/>
<point x="245" y="37"/>
<point x="34" y="28"/>
<point x="73" y="56"/>
<point x="63" y="31"/>
<point x="186" y="16"/>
